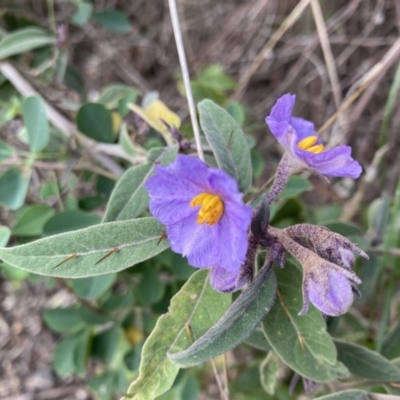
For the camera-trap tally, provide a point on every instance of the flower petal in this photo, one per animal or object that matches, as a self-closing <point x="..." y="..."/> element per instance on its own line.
<point x="303" y="128"/>
<point x="198" y="242"/>
<point x="172" y="211"/>
<point x="282" y="110"/>
<point x="334" y="162"/>
<point x="333" y="295"/>
<point x="223" y="280"/>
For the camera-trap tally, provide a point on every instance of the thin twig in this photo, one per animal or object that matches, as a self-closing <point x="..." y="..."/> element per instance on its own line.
<point x="218" y="380"/>
<point x="391" y="55"/>
<point x="185" y="75"/>
<point x="391" y="252"/>
<point x="326" y="49"/>
<point x="225" y="369"/>
<point x="263" y="54"/>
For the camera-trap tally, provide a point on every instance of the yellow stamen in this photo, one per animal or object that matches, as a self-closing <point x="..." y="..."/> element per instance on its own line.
<point x="308" y="143"/>
<point x="211" y="209"/>
<point x="319" y="148"/>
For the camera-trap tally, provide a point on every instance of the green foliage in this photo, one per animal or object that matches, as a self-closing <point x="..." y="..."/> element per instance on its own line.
<point x="129" y="198"/>
<point x="82" y="13"/>
<point x="93" y="287"/>
<point x="32" y="220"/>
<point x="69" y="220"/>
<point x="193" y="310"/>
<point x="130" y="241"/>
<point x="366" y="363"/>
<point x="23" y="40"/>
<point x="6" y="151"/>
<point x="113" y="20"/>
<point x="5" y="233"/>
<point x="13" y="187"/>
<point x="269" y="370"/>
<point x="227" y="142"/>
<point x="95" y="121"/>
<point x="34" y="114"/>
<point x="78" y="210"/>
<point x="236" y="324"/>
<point x="302" y="342"/>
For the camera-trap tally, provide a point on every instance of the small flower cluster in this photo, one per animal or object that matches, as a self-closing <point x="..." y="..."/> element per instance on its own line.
<point x="207" y="221"/>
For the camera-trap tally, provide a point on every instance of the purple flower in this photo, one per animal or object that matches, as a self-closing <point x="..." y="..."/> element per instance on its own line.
<point x="328" y="276"/>
<point x="205" y="217"/>
<point x="299" y="138"/>
<point x="329" y="290"/>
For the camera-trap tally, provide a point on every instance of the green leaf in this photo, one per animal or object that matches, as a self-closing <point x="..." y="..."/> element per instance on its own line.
<point x="105" y="344"/>
<point x="343" y="228"/>
<point x="236" y="324"/>
<point x="237" y="111"/>
<point x="302" y="342"/>
<point x="81" y="353"/>
<point x="257" y="340"/>
<point x="6" y="151"/>
<point x="125" y="141"/>
<point x="13" y="188"/>
<point x="348" y="395"/>
<point x="113" y="20"/>
<point x="112" y="94"/>
<point x="194" y="309"/>
<point x="12" y="273"/>
<point x="151" y="289"/>
<point x="269" y="369"/>
<point x="366" y="363"/>
<point x="228" y="143"/>
<point x="82" y="13"/>
<point x="94" y="317"/>
<point x="64" y="362"/>
<point x="32" y="220"/>
<point x="129" y="242"/>
<point x="69" y="220"/>
<point x="23" y="40"/>
<point x="93" y="287"/>
<point x="181" y="267"/>
<point x="95" y="121"/>
<point x="390" y="388"/>
<point x="5" y="234"/>
<point x="391" y="343"/>
<point x="295" y="186"/>
<point x="129" y="198"/>
<point x="35" y="120"/>
<point x="64" y="319"/>
<point x="102" y="385"/>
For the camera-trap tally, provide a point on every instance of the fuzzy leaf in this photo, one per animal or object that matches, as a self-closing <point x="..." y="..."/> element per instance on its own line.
<point x="236" y="324"/>
<point x="136" y="241"/>
<point x="366" y="363"/>
<point x="269" y="370"/>
<point x="14" y="185"/>
<point x="347" y="395"/>
<point x="95" y="121"/>
<point x="129" y="197"/>
<point x="23" y="40"/>
<point x="257" y="340"/>
<point x="302" y="342"/>
<point x="227" y="141"/>
<point x="35" y="119"/>
<point x="193" y="310"/>
<point x="5" y="234"/>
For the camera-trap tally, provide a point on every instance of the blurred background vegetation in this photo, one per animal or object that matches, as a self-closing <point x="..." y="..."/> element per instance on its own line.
<point x="87" y="60"/>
